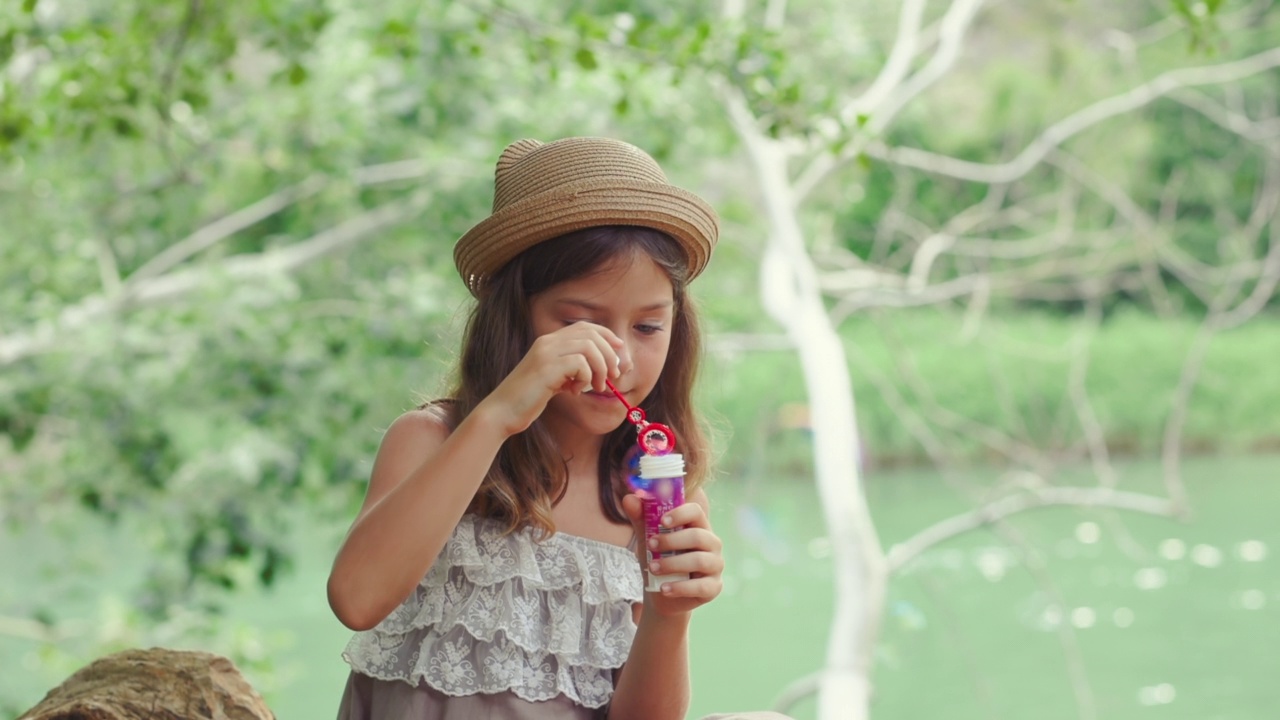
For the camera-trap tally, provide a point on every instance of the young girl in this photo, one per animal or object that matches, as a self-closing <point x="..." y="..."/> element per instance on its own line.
<point x="493" y="571"/>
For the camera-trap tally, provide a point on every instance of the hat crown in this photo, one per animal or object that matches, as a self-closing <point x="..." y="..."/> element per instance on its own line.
<point x="528" y="167"/>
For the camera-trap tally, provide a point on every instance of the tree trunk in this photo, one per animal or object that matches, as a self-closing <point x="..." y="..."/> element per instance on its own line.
<point x="790" y="293"/>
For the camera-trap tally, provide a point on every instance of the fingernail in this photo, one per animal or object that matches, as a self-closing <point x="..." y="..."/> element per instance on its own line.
<point x="666" y="520"/>
<point x="666" y="589"/>
<point x="653" y="566"/>
<point x="653" y="543"/>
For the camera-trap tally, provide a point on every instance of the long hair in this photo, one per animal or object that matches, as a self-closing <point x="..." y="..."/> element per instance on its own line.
<point x="529" y="474"/>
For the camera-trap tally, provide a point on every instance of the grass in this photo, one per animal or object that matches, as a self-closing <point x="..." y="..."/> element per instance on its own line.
<point x="1011" y="375"/>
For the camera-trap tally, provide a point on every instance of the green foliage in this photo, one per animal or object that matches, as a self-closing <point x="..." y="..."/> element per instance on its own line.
<point x="1010" y="377"/>
<point x="221" y="413"/>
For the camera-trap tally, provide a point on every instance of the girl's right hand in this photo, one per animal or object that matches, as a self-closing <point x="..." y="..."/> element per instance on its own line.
<point x="573" y="359"/>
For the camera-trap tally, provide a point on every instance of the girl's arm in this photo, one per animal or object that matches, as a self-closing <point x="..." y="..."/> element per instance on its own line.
<point x="654" y="683"/>
<point x="425" y="477"/>
<point x="422" y="482"/>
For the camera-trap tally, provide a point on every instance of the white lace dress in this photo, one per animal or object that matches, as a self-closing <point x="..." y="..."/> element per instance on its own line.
<point x="500" y="627"/>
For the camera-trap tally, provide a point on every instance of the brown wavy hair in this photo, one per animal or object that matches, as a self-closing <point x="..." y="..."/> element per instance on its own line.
<point x="529" y="475"/>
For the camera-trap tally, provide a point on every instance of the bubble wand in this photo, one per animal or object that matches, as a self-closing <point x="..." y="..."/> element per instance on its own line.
<point x="653" y="438"/>
<point x="660" y="483"/>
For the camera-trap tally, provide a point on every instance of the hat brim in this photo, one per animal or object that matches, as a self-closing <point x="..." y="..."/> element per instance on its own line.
<point x="493" y="242"/>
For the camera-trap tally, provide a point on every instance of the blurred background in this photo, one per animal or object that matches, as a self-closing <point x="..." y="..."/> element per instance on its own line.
<point x="1043" y="233"/>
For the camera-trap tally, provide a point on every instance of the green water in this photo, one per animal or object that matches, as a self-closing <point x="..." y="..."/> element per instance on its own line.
<point x="1182" y="621"/>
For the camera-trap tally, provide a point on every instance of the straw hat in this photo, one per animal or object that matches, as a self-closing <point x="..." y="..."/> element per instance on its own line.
<point x="545" y="190"/>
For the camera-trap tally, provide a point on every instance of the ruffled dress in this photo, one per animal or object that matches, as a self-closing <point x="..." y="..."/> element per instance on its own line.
<point x="501" y="626"/>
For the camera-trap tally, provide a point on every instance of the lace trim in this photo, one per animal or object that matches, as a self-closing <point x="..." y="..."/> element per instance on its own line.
<point x="508" y="613"/>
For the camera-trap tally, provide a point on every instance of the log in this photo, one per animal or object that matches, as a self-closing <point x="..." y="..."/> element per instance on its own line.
<point x="157" y="684"/>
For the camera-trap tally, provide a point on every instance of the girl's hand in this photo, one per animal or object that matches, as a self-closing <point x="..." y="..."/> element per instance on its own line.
<point x="573" y="359"/>
<point x="701" y="560"/>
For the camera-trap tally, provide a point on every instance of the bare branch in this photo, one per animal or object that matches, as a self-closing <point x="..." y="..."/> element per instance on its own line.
<point x="951" y="34"/>
<point x="1257" y="132"/>
<point x="225" y="227"/>
<point x="1032" y="498"/>
<point x="108" y="268"/>
<point x="282" y="260"/>
<point x="775" y="14"/>
<point x="1094" y="435"/>
<point x="1218" y="320"/>
<point x="896" y="67"/>
<point x="167" y="287"/>
<point x="1076" y="123"/>
<point x="394" y="171"/>
<point x="893" y="94"/>
<point x="797" y="690"/>
<point x="1145" y="237"/>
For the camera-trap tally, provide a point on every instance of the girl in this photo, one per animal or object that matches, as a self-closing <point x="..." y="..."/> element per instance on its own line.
<point x="492" y="571"/>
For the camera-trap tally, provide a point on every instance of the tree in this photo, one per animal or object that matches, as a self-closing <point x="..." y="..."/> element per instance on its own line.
<point x="217" y="291"/>
<point x="794" y="291"/>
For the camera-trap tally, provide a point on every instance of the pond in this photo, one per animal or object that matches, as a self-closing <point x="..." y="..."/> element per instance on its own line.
<point x="1137" y="616"/>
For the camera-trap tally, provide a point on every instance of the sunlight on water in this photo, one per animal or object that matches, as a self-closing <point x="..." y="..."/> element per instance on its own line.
<point x="1150" y="578"/>
<point x="1206" y="556"/>
<point x="992" y="564"/>
<point x="1253" y="599"/>
<point x="1083" y="617"/>
<point x="1161" y="694"/>
<point x="1122" y="617"/>
<point x="1173" y="549"/>
<point x="1088" y="532"/>
<point x="1252" y="551"/>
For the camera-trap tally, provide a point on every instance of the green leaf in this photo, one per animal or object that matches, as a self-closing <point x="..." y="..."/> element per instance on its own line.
<point x="297" y="74"/>
<point x="586" y="59"/>
<point x="29" y="6"/>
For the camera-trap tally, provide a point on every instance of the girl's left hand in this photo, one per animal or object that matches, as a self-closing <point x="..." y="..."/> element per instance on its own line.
<point x="700" y="559"/>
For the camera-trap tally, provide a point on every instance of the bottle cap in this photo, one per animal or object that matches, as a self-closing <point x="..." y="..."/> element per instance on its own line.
<point x="653" y="467"/>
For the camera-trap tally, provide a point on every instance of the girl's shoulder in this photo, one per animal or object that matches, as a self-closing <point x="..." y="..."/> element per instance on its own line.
<point x="410" y="440"/>
<point x="431" y="420"/>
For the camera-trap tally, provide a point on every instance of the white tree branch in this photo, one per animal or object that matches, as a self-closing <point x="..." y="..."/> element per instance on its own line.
<point x="225" y="227"/>
<point x="175" y="284"/>
<point x="894" y="93"/>
<point x="1265" y="133"/>
<point x="248" y="216"/>
<point x="1032" y="498"/>
<point x="1076" y="123"/>
<point x="951" y="35"/>
<point x="896" y="67"/>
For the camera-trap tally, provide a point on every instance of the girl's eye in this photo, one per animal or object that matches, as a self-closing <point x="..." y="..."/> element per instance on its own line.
<point x="648" y="329"/>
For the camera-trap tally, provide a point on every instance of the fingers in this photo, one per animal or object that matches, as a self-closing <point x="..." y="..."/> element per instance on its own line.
<point x="633" y="508"/>
<point x="686" y="539"/>
<point x="689" y="514"/>
<point x="688" y="563"/>
<point x="600" y="358"/>
<point x="600" y="348"/>
<point x="702" y="588"/>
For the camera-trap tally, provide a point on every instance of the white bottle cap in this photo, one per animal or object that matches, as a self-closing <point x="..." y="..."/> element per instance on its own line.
<point x="653" y="467"/>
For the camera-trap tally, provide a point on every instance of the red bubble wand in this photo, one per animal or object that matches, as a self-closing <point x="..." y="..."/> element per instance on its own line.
<point x="653" y="438"/>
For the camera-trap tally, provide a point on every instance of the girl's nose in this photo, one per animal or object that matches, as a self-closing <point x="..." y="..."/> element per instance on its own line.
<point x="624" y="360"/>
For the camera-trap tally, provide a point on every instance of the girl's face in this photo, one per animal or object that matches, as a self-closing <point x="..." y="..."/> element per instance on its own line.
<point x="632" y="297"/>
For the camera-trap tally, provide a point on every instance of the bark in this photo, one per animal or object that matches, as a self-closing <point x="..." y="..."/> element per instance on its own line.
<point x="154" y="684"/>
